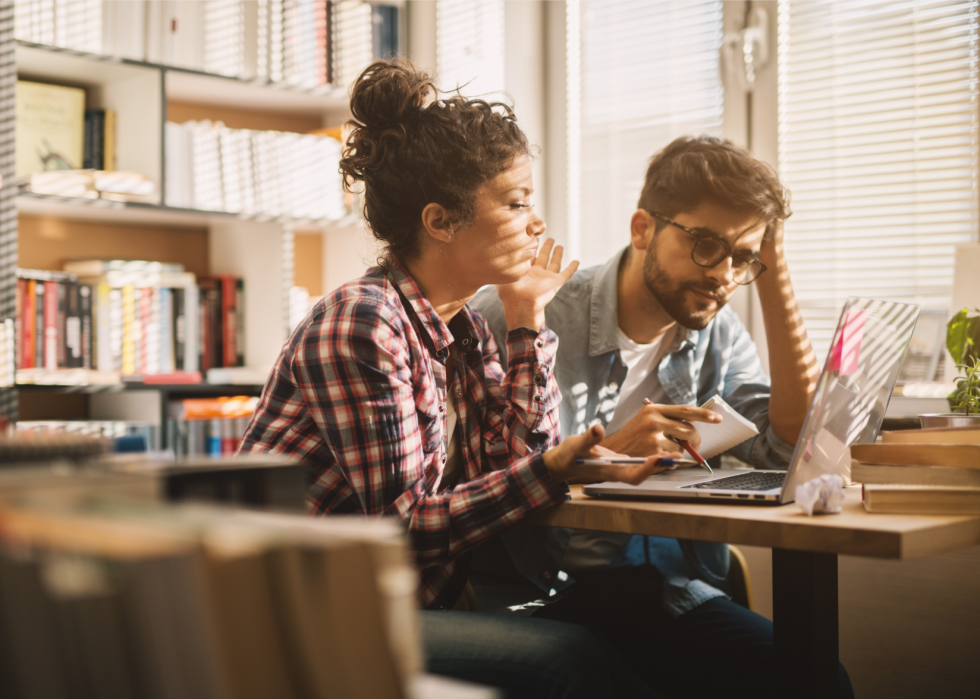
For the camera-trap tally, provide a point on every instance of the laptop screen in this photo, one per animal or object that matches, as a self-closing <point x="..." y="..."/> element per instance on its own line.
<point x="853" y="391"/>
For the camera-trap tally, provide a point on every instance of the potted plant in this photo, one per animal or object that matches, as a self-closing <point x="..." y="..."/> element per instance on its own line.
<point x="963" y="343"/>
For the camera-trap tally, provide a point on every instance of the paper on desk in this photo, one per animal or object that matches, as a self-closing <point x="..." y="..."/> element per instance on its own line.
<point x="733" y="429"/>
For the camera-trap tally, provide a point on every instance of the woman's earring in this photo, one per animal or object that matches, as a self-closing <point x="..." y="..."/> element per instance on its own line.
<point x="449" y="238"/>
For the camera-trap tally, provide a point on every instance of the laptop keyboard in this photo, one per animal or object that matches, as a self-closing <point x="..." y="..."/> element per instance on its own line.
<point x="754" y="480"/>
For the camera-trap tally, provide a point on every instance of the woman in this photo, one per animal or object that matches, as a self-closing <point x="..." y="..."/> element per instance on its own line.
<point x="391" y="389"/>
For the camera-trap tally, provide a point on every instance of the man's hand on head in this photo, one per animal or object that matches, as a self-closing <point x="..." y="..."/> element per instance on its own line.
<point x="650" y="430"/>
<point x="772" y="245"/>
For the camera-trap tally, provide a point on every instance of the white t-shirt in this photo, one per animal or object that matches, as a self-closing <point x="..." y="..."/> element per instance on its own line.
<point x="590" y="549"/>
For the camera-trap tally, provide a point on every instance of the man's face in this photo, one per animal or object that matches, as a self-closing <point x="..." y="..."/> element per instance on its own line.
<point x="692" y="295"/>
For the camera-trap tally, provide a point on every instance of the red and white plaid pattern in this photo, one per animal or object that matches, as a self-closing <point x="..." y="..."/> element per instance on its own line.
<point x="359" y="394"/>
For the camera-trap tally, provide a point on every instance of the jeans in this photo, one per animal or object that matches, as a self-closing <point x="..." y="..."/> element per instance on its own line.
<point x="527" y="658"/>
<point x="717" y="649"/>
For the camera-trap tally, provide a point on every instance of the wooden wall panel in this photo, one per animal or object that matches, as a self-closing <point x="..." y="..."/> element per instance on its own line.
<point x="233" y="118"/>
<point x="308" y="268"/>
<point x="46" y="243"/>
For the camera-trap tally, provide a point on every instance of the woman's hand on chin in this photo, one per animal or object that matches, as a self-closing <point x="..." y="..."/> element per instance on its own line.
<point x="561" y="461"/>
<point x="525" y="299"/>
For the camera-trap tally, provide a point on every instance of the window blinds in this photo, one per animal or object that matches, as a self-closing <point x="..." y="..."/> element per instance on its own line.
<point x="647" y="73"/>
<point x="470" y="46"/>
<point x="878" y="135"/>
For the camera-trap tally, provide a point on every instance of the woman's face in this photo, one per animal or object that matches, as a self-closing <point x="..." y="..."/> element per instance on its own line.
<point x="501" y="242"/>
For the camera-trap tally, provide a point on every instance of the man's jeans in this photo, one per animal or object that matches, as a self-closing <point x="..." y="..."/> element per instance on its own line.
<point x="526" y="657"/>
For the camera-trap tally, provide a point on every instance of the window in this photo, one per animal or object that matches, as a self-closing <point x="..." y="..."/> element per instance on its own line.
<point x="878" y="136"/>
<point x="640" y="74"/>
<point x="470" y="45"/>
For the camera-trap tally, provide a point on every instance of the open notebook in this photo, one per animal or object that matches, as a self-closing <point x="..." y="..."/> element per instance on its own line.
<point x="731" y="431"/>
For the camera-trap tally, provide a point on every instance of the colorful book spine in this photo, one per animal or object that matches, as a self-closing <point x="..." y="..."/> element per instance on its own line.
<point x="129" y="330"/>
<point x="50" y="326"/>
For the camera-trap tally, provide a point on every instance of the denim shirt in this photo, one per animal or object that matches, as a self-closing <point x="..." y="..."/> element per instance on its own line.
<point x="721" y="360"/>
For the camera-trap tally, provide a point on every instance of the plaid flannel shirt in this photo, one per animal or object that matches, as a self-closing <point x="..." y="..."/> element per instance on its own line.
<point x="359" y="394"/>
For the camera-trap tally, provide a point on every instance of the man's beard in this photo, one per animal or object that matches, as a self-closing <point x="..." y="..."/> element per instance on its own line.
<point x="675" y="300"/>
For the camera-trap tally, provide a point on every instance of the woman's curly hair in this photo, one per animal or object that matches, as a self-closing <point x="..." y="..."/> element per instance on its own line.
<point x="411" y="149"/>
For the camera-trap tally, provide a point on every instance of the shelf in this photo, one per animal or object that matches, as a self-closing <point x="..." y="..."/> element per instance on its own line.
<point x="182" y="84"/>
<point x="201" y="389"/>
<point x="131" y="212"/>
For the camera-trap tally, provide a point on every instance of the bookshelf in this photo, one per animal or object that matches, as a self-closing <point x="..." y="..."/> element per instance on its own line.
<point x="258" y="246"/>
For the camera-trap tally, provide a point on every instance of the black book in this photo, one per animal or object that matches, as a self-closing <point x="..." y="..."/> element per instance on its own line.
<point x="180" y="328"/>
<point x="95" y="138"/>
<point x="85" y="313"/>
<point x="61" y="325"/>
<point x="74" y="358"/>
<point x="87" y="140"/>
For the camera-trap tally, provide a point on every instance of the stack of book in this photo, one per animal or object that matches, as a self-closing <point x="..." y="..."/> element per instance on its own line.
<point x="208" y="426"/>
<point x="95" y="184"/>
<point x="8" y="352"/>
<point x="129" y="317"/>
<point x="213" y="168"/>
<point x="934" y="471"/>
<point x="110" y="598"/>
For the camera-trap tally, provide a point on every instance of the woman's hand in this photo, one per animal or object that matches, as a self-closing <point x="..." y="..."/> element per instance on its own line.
<point x="651" y="429"/>
<point x="560" y="461"/>
<point x="525" y="299"/>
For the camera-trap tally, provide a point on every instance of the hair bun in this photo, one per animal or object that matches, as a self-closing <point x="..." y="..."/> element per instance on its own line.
<point x="390" y="93"/>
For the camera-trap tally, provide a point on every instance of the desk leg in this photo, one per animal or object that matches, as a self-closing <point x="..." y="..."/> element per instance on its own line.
<point x="804" y="610"/>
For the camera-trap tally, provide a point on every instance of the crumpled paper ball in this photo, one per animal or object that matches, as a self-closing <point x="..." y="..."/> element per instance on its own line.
<point x="823" y="495"/>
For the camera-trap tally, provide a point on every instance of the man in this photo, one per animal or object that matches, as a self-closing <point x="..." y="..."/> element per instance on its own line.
<point x="652" y="324"/>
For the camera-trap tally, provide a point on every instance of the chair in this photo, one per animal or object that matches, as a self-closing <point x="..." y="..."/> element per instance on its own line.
<point x="738" y="578"/>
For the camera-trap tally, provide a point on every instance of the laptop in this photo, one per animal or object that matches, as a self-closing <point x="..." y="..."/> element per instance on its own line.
<point x="847" y="408"/>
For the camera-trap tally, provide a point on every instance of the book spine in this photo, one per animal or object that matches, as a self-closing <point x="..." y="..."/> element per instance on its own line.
<point x="322" y="46"/>
<point x="128" y="364"/>
<point x="38" y="342"/>
<point x="239" y="322"/>
<point x="87" y="140"/>
<point x="85" y="313"/>
<point x="74" y="358"/>
<point x="149" y="337"/>
<point x="204" y="332"/>
<point x="114" y="328"/>
<point x="228" y="325"/>
<point x="166" y="325"/>
<point x="25" y="310"/>
<point x="109" y="141"/>
<point x="192" y="329"/>
<point x="179" y="329"/>
<point x="50" y="326"/>
<point x="61" y="324"/>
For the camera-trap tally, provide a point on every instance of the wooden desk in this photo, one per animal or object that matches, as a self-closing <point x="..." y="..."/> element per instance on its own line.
<point x="804" y="559"/>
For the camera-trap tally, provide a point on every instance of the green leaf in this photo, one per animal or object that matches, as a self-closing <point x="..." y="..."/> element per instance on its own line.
<point x="957" y="333"/>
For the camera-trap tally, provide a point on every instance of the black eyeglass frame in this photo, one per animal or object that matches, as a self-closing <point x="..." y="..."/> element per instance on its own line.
<point x="698" y="237"/>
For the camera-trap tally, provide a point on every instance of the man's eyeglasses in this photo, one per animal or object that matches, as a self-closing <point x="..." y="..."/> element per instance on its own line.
<point x="709" y="250"/>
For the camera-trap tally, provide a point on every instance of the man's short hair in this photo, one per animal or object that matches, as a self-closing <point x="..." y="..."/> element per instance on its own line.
<point x="696" y="170"/>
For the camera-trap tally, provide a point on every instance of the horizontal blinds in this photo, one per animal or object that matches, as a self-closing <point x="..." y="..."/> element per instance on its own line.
<point x="649" y="73"/>
<point x="470" y="46"/>
<point x="878" y="128"/>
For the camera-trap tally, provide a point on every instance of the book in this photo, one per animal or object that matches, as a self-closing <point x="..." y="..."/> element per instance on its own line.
<point x="934" y="435"/>
<point x="902" y="474"/>
<point x="50" y="127"/>
<point x="959" y="455"/>
<point x="921" y="499"/>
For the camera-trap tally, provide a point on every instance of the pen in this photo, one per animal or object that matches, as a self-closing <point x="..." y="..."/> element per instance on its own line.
<point x="667" y="461"/>
<point x="686" y="446"/>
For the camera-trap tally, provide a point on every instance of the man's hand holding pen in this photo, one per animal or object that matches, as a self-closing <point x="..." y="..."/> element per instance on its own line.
<point x="659" y="429"/>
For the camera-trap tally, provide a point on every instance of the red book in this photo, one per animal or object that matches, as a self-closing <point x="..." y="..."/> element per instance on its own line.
<point x="229" y="320"/>
<point x="50" y="325"/>
<point x="174" y="377"/>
